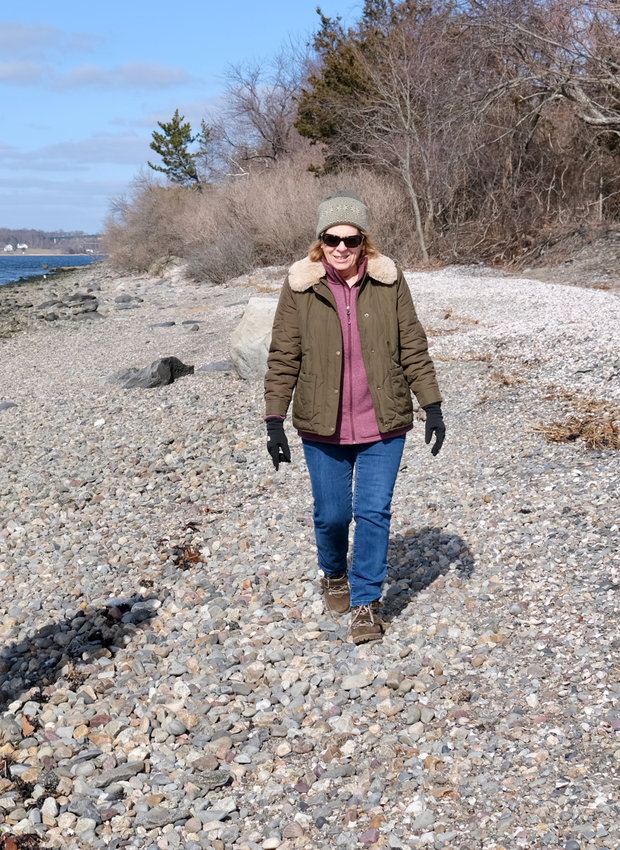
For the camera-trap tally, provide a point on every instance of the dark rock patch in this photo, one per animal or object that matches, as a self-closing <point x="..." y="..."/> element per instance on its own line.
<point x="159" y="373"/>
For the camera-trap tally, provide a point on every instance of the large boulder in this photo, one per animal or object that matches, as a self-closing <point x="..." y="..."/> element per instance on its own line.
<point x="249" y="342"/>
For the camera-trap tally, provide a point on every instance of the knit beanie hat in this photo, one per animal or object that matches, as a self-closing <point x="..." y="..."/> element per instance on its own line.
<point x="344" y="207"/>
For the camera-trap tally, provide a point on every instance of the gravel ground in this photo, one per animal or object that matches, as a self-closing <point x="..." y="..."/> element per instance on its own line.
<point x="168" y="676"/>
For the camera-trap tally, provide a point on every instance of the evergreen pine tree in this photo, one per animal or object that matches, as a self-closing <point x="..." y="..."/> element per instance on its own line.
<point x="172" y="145"/>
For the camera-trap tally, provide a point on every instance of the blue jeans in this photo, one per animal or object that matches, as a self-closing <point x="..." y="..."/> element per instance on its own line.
<point x="337" y="501"/>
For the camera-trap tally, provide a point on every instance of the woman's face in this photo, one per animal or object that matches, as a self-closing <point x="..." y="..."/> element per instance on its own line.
<point x="345" y="260"/>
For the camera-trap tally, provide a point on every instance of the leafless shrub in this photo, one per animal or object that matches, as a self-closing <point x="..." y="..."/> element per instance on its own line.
<point x="229" y="255"/>
<point x="266" y="218"/>
<point x="147" y="225"/>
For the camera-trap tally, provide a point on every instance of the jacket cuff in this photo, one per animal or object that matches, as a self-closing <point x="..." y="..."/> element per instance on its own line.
<point x="426" y="398"/>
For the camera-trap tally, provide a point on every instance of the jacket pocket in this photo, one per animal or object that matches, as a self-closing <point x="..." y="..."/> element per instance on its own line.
<point x="400" y="392"/>
<point x="304" y="403"/>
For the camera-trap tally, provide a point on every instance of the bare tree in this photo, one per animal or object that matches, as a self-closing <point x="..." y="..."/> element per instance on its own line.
<point x="562" y="49"/>
<point x="255" y="128"/>
<point x="550" y="100"/>
<point x="406" y="121"/>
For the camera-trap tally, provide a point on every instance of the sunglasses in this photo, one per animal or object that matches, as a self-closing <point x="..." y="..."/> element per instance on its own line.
<point x="332" y="241"/>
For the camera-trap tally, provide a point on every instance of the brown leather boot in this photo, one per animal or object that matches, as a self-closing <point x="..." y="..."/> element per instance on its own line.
<point x="336" y="593"/>
<point x="366" y="623"/>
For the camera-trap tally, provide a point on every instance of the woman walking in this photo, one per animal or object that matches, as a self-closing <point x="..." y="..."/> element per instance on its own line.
<point x="347" y="341"/>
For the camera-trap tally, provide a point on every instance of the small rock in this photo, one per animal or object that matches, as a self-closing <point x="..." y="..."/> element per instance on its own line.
<point x="212" y="779"/>
<point x="158" y="817"/>
<point x="425" y="819"/>
<point x="361" y="679"/>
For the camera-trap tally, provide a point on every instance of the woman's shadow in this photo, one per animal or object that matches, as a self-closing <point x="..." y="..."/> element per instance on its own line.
<point x="36" y="661"/>
<point x="416" y="559"/>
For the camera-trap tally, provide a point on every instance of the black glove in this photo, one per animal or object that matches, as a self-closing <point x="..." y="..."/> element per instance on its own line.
<point x="277" y="444"/>
<point x="434" y="425"/>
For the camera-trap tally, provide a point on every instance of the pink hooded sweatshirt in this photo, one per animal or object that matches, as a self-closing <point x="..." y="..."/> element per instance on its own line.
<point x="357" y="422"/>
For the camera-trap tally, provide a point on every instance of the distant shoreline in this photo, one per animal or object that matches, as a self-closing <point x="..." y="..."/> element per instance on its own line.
<point x="12" y="254"/>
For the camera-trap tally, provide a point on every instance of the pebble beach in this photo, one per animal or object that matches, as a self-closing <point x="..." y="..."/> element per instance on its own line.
<point x="169" y="677"/>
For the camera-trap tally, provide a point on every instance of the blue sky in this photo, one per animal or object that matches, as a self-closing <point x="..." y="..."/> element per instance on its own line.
<point x="82" y="86"/>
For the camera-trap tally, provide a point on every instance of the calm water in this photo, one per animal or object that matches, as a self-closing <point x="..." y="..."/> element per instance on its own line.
<point x="14" y="267"/>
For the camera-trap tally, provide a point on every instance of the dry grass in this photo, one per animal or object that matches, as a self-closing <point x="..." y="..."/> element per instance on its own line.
<point x="597" y="425"/>
<point x="449" y="316"/>
<point x="462" y="320"/>
<point x="431" y="331"/>
<point x="505" y="380"/>
<point x="264" y="219"/>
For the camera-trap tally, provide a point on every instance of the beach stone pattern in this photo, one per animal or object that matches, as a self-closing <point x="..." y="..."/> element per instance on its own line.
<point x="169" y="677"/>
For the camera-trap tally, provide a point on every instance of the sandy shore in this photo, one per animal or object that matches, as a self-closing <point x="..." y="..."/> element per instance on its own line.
<point x="168" y="676"/>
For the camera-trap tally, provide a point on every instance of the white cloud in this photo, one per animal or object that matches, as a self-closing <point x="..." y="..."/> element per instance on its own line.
<point x="132" y="75"/>
<point x="153" y="75"/>
<point x="34" y="41"/>
<point x="96" y="150"/>
<point x="22" y="73"/>
<point x="141" y="76"/>
<point x="101" y="148"/>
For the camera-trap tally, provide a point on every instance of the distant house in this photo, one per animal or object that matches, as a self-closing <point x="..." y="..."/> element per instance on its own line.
<point x="21" y="246"/>
<point x="8" y="247"/>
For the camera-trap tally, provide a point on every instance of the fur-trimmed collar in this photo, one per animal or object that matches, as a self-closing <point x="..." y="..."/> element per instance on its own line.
<point x="304" y="273"/>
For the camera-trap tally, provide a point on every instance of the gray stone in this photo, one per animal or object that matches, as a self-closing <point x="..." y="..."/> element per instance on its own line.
<point x="80" y="298"/>
<point x="159" y="373"/>
<point x="250" y="340"/>
<point x="10" y="730"/>
<point x="88" y="316"/>
<point x="174" y="726"/>
<point x="85" y="829"/>
<point x="128" y="299"/>
<point x="212" y="779"/>
<point x="81" y="304"/>
<point x="159" y="816"/>
<point x="425" y="819"/>
<point x="218" y="366"/>
<point x="84" y="808"/>
<point x="361" y="679"/>
<point x="118" y="774"/>
<point x="208" y="814"/>
<point x="45" y="305"/>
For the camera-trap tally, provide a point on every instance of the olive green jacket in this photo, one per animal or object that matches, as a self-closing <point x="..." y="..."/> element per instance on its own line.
<point x="305" y="355"/>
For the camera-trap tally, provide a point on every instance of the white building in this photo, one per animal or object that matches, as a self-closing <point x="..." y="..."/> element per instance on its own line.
<point x="8" y="247"/>
<point x="21" y="246"/>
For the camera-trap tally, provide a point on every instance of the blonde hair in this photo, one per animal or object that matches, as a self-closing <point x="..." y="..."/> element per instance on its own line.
<point x="369" y="249"/>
